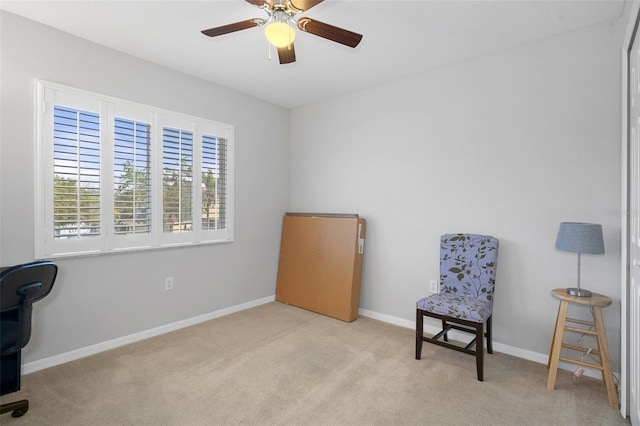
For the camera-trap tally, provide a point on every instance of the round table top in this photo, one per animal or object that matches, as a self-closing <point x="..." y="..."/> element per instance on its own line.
<point x="595" y="299"/>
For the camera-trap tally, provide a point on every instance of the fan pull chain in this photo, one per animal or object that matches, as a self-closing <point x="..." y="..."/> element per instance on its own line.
<point x="269" y="56"/>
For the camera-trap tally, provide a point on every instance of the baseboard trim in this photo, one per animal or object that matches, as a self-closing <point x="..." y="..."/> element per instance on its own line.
<point x="76" y="354"/>
<point x="497" y="346"/>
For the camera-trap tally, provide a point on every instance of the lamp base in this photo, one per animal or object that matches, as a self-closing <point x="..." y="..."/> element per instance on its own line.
<point x="579" y="292"/>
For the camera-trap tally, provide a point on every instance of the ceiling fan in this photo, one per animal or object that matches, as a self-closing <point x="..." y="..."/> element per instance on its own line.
<point x="280" y="33"/>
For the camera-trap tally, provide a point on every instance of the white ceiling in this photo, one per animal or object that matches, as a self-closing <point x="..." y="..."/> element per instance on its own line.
<point x="401" y="38"/>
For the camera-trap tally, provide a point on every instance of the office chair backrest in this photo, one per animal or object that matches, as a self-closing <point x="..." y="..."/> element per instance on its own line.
<point x="468" y="265"/>
<point x="20" y="287"/>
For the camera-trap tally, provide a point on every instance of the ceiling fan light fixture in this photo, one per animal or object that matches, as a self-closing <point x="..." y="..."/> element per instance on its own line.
<point x="279" y="27"/>
<point x="279" y="34"/>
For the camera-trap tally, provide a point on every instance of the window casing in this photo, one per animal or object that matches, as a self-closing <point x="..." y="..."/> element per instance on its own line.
<point x="114" y="175"/>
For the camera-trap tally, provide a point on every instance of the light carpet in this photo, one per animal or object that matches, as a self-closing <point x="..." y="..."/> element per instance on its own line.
<point x="280" y="365"/>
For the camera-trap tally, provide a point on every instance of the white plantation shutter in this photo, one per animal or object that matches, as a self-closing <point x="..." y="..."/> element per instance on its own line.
<point x="177" y="184"/>
<point x="214" y="182"/>
<point x="114" y="175"/>
<point x="76" y="168"/>
<point x="132" y="177"/>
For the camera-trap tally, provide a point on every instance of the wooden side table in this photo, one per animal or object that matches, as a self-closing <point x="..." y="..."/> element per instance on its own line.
<point x="596" y="301"/>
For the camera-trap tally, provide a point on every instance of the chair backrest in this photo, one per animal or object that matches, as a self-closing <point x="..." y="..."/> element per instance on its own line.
<point x="20" y="287"/>
<point x="468" y="265"/>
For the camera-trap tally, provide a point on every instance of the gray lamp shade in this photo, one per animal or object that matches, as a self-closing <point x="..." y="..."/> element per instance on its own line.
<point x="578" y="237"/>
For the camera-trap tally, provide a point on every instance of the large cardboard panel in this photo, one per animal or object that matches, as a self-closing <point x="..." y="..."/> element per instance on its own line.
<point x="321" y="262"/>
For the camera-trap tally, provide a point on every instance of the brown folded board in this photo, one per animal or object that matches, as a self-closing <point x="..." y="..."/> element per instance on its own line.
<point x="321" y="263"/>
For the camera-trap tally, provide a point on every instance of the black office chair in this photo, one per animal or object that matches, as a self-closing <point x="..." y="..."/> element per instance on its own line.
<point x="20" y="286"/>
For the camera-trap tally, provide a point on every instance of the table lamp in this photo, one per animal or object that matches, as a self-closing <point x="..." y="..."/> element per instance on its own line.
<point x="580" y="238"/>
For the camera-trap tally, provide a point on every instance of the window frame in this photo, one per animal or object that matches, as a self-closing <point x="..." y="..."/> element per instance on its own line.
<point x="49" y="95"/>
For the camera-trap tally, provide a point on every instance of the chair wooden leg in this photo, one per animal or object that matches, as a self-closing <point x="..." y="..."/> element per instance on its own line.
<point x="419" y="333"/>
<point x="489" y="339"/>
<point x="445" y="337"/>
<point x="479" y="351"/>
<point x="449" y="323"/>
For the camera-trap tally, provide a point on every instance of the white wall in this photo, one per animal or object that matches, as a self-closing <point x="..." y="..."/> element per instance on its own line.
<point x="106" y="297"/>
<point x="509" y="144"/>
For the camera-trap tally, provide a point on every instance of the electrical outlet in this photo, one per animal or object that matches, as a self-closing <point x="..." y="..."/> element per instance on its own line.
<point x="168" y="283"/>
<point x="434" y="287"/>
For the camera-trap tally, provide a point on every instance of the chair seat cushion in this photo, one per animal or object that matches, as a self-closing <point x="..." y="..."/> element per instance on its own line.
<point x="456" y="306"/>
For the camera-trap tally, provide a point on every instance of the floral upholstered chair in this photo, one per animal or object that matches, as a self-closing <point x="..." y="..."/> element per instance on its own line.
<point x="465" y="301"/>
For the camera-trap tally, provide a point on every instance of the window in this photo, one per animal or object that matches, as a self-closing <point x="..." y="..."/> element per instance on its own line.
<point x="177" y="181"/>
<point x="214" y="183"/>
<point x="76" y="173"/>
<point x="132" y="177"/>
<point x="115" y="175"/>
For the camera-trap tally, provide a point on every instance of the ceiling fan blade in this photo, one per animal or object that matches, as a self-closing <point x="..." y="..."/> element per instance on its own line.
<point x="329" y="32"/>
<point x="304" y="5"/>
<point x="230" y="28"/>
<point x="287" y="54"/>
